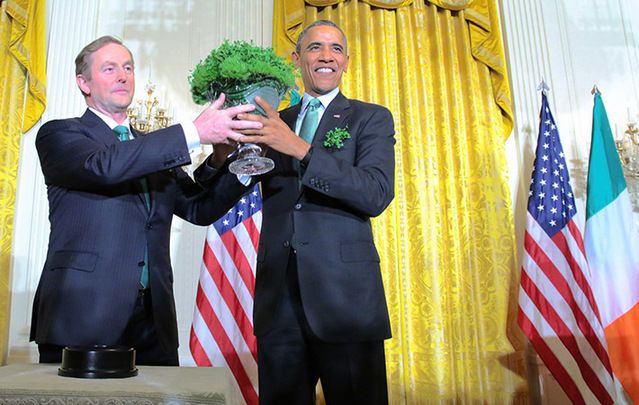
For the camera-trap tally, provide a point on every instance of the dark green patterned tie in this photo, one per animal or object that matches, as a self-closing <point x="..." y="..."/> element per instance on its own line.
<point x="123" y="135"/>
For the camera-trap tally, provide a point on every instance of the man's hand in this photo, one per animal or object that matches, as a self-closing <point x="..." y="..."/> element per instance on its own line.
<point x="274" y="132"/>
<point x="220" y="152"/>
<point x="215" y="126"/>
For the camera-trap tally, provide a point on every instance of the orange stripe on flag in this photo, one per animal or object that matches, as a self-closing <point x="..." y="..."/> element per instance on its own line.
<point x="623" y="348"/>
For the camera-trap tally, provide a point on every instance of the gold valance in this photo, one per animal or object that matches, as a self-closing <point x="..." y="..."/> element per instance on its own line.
<point x="294" y="10"/>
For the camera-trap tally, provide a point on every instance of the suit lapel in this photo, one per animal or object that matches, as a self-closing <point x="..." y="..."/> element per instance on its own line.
<point x="336" y="115"/>
<point x="150" y="180"/>
<point x="98" y="129"/>
<point x="290" y="117"/>
<point x="100" y="132"/>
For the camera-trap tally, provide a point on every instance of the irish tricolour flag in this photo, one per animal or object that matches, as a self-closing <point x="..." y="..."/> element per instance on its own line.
<point x="612" y="249"/>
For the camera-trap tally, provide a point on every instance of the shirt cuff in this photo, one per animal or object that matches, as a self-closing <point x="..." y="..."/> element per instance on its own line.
<point x="190" y="135"/>
<point x="245" y="179"/>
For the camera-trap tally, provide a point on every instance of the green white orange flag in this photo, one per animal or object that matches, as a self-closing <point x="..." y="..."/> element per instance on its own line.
<point x="612" y="250"/>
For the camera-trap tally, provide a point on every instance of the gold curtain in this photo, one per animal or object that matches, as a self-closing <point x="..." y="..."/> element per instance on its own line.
<point x="447" y="241"/>
<point x="22" y="101"/>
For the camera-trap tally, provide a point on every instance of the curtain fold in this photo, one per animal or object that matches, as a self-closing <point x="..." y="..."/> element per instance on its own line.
<point x="22" y="102"/>
<point x="447" y="241"/>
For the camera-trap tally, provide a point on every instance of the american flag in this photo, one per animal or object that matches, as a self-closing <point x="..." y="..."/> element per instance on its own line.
<point x="222" y="330"/>
<point x="557" y="311"/>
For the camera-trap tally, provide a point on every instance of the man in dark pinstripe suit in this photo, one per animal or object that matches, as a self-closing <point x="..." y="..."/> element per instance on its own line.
<point x="107" y="278"/>
<point x="320" y="310"/>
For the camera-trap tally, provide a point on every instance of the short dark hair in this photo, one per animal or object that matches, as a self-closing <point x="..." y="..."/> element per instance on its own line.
<point x="327" y="23"/>
<point x="82" y="60"/>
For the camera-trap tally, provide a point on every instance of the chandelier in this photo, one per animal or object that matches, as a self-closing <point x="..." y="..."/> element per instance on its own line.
<point x="628" y="149"/>
<point x="147" y="115"/>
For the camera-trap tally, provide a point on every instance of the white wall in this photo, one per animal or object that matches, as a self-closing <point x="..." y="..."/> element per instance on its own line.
<point x="573" y="45"/>
<point x="167" y="39"/>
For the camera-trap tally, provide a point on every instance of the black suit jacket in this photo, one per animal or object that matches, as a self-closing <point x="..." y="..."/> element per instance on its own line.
<point x="327" y="223"/>
<point x="101" y="226"/>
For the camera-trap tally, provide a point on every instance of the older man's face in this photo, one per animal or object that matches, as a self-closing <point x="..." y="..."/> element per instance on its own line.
<point x="112" y="84"/>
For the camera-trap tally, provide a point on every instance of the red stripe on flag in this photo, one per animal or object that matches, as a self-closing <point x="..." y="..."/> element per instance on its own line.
<point x="550" y="360"/>
<point x="198" y="353"/>
<point x="228" y="295"/>
<point x="253" y="231"/>
<point x="560" y="283"/>
<point x="228" y="350"/>
<point x="566" y="336"/>
<point x="582" y="281"/>
<point x="239" y="258"/>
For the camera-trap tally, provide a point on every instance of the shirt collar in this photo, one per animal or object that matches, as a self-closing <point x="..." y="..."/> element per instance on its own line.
<point x="108" y="120"/>
<point x="325" y="99"/>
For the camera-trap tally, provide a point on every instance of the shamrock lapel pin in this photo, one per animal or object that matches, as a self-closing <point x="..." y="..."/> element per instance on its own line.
<point x="335" y="137"/>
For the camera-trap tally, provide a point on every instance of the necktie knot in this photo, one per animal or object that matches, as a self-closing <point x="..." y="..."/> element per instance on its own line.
<point x="122" y="132"/>
<point x="314" y="104"/>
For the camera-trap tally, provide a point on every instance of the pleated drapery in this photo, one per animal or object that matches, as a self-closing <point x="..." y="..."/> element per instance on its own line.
<point x="447" y="241"/>
<point x="22" y="101"/>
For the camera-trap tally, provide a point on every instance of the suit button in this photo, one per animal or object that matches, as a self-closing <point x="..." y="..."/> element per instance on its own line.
<point x="287" y="244"/>
<point x="141" y="264"/>
<point x="298" y="206"/>
<point x="149" y="226"/>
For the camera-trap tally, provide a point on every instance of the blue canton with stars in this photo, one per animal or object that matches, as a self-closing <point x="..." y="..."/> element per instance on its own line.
<point x="249" y="204"/>
<point x="550" y="199"/>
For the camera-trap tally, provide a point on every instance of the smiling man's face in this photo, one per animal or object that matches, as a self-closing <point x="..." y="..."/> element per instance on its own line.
<point x="322" y="59"/>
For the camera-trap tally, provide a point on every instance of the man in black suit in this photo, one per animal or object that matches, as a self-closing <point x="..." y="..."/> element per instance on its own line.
<point x="112" y="195"/>
<point x="320" y="310"/>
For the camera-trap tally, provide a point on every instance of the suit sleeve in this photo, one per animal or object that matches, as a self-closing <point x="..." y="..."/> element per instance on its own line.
<point x="74" y="157"/>
<point x="215" y="192"/>
<point x="361" y="176"/>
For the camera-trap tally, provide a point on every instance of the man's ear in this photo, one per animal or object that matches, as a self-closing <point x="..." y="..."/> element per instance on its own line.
<point x="82" y="84"/>
<point x="295" y="57"/>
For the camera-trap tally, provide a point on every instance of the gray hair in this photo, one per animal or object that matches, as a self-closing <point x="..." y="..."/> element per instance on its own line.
<point x="82" y="60"/>
<point x="326" y="23"/>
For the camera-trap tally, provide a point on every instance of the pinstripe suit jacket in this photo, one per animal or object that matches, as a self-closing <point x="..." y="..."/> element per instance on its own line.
<point x="327" y="222"/>
<point x="101" y="226"/>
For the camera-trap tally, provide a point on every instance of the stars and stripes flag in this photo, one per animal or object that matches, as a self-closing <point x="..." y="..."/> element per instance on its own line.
<point x="222" y="330"/>
<point x="557" y="309"/>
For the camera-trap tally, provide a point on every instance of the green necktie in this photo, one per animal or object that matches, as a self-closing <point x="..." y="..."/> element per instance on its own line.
<point x="123" y="135"/>
<point x="308" y="128"/>
<point x="311" y="119"/>
<point x="122" y="131"/>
